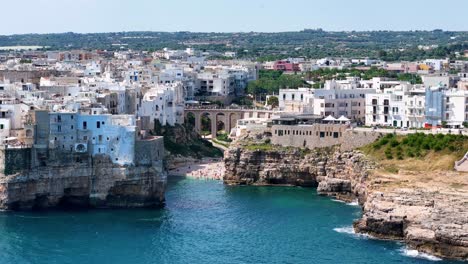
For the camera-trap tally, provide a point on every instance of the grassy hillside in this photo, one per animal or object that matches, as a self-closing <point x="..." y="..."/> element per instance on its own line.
<point x="418" y="152"/>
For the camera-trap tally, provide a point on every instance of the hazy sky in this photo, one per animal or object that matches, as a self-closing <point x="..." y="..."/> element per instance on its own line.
<point x="46" y="16"/>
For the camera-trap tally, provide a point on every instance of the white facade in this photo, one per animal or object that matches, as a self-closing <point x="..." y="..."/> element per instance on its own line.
<point x="296" y="100"/>
<point x="401" y="106"/>
<point x="109" y="135"/>
<point x="164" y="103"/>
<point x="456" y="108"/>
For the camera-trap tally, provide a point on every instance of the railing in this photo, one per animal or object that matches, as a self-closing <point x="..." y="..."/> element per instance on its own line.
<point x="19" y="146"/>
<point x="224" y="108"/>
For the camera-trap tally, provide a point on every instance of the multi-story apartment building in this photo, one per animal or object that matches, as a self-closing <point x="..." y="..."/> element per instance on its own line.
<point x="456" y="107"/>
<point x="164" y="103"/>
<point x="400" y="106"/>
<point x="215" y="86"/>
<point x="296" y="100"/>
<point x="337" y="98"/>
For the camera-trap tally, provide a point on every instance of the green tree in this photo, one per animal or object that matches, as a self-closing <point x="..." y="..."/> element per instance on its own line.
<point x="273" y="101"/>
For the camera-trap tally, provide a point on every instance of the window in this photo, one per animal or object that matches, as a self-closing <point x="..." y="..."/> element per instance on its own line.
<point x="322" y="134"/>
<point x="335" y="134"/>
<point x="100" y="138"/>
<point x="98" y="124"/>
<point x="59" y="128"/>
<point x="72" y="127"/>
<point x="85" y="125"/>
<point x="1" y="126"/>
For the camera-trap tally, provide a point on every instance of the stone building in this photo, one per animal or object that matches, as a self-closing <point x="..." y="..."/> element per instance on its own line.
<point x="312" y="132"/>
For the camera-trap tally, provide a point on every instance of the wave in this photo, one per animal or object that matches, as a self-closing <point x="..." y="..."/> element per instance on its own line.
<point x="350" y="231"/>
<point x="416" y="254"/>
<point x="346" y="230"/>
<point x="353" y="203"/>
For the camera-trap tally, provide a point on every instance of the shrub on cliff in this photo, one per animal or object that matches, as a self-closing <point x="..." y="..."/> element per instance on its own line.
<point x="419" y="145"/>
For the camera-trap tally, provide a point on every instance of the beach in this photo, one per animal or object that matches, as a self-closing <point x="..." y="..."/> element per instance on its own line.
<point x="207" y="169"/>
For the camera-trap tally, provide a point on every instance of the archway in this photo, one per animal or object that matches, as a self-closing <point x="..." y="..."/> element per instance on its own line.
<point x="220" y="123"/>
<point x="206" y="126"/>
<point x="190" y="120"/>
<point x="233" y="117"/>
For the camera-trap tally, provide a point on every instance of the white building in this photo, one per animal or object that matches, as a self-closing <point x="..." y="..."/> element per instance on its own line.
<point x="296" y="100"/>
<point x="456" y="107"/>
<point x="164" y="103"/>
<point x="101" y="134"/>
<point x="400" y="106"/>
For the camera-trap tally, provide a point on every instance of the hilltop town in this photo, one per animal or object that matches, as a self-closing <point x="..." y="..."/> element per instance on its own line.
<point x="100" y="128"/>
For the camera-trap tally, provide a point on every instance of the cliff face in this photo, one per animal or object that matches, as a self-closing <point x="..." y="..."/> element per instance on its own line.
<point x="57" y="178"/>
<point x="101" y="185"/>
<point x="431" y="220"/>
<point x="334" y="173"/>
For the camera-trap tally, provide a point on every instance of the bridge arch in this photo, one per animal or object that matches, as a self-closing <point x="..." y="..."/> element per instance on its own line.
<point x="220" y="122"/>
<point x="206" y="123"/>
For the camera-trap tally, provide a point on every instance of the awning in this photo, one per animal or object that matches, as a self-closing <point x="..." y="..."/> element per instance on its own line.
<point x="329" y="118"/>
<point x="343" y="118"/>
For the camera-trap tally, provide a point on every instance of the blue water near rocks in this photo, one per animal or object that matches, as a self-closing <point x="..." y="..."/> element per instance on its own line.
<point x="203" y="222"/>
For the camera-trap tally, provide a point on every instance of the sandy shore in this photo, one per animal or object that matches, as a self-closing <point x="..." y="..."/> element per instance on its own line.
<point x="210" y="169"/>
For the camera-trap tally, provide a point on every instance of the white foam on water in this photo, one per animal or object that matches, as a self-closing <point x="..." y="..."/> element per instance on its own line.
<point x="350" y="231"/>
<point x="412" y="253"/>
<point x="345" y="230"/>
<point x="353" y="203"/>
<point x="338" y="201"/>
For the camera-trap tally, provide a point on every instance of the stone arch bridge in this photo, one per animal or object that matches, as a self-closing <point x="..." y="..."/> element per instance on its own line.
<point x="226" y="117"/>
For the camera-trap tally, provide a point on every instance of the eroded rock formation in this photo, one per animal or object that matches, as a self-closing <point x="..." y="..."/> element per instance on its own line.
<point x="432" y="220"/>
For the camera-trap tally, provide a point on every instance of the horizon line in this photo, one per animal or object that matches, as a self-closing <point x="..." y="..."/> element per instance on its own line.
<point x="234" y="32"/>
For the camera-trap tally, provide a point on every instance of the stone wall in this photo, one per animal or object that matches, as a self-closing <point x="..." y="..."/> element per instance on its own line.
<point x="149" y="151"/>
<point x="320" y="136"/>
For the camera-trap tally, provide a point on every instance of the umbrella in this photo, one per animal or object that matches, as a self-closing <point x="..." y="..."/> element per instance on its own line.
<point x="343" y="118"/>
<point x="329" y="118"/>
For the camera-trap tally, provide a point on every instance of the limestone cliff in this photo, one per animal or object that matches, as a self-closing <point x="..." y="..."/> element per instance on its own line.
<point x="58" y="179"/>
<point x="431" y="220"/>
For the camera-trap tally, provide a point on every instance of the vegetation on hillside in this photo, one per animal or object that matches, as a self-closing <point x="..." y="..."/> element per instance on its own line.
<point x="418" y="151"/>
<point x="308" y="43"/>
<point x="323" y="74"/>
<point x="270" y="81"/>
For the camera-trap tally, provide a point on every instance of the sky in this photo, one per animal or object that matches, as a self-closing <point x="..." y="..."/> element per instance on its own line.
<point x="87" y="16"/>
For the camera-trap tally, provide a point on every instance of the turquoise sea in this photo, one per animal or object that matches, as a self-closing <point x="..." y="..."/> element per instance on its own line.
<point x="203" y="222"/>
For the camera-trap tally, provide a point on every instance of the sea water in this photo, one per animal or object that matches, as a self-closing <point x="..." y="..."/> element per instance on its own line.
<point x="203" y="222"/>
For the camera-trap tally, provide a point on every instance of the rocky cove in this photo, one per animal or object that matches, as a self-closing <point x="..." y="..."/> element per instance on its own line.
<point x="428" y="214"/>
